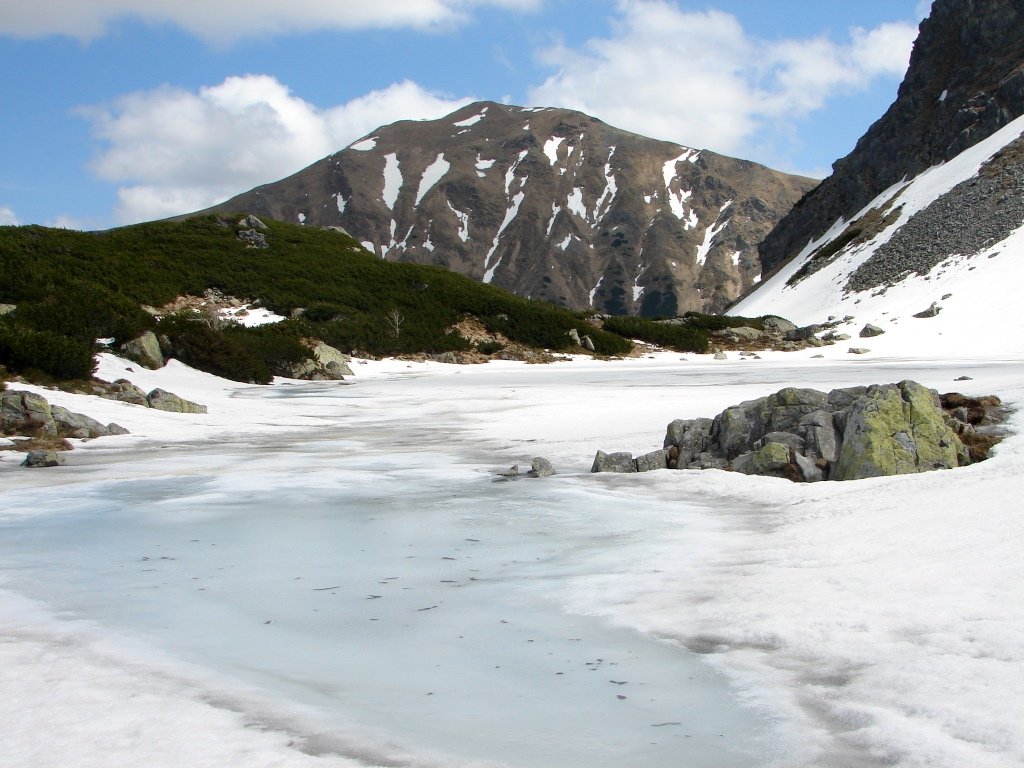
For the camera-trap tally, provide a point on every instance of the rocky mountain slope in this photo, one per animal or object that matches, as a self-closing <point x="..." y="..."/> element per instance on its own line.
<point x="919" y="231"/>
<point x="547" y="203"/>
<point x="965" y="82"/>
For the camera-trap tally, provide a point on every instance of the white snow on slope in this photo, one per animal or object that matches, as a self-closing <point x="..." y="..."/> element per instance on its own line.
<point x="365" y="145"/>
<point x="469" y="121"/>
<point x="709" y="240"/>
<point x="555" y="210"/>
<point x="574" y="202"/>
<point x="372" y="248"/>
<point x="250" y="316"/>
<point x="551" y="148"/>
<point x="463" y="223"/>
<point x="593" y="291"/>
<point x="565" y="244"/>
<point x="977" y="284"/>
<point x="433" y="174"/>
<point x="392" y="180"/>
<point x="678" y="196"/>
<point x="610" y="190"/>
<point x="341" y="201"/>
<point x="510" y="174"/>
<point x="510" y="215"/>
<point x="482" y="166"/>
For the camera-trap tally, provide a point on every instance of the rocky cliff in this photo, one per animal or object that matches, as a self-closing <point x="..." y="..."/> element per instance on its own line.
<point x="547" y="203"/>
<point x="965" y="82"/>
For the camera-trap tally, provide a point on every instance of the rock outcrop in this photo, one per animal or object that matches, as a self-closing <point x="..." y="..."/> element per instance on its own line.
<point x="325" y="363"/>
<point x="145" y="350"/>
<point x="806" y="436"/>
<point x="32" y="415"/>
<point x="162" y="400"/>
<point x="547" y="203"/>
<point x="965" y="82"/>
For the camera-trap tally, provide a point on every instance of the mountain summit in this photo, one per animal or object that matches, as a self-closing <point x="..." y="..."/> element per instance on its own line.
<point x="547" y="203"/>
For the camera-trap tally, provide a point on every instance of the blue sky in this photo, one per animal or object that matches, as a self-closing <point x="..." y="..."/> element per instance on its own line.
<point x="117" y="111"/>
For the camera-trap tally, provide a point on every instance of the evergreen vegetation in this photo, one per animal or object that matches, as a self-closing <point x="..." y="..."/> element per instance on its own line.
<point x="72" y="287"/>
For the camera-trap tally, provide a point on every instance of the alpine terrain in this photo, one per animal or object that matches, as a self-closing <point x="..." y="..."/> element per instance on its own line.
<point x="547" y="203"/>
<point x="918" y="232"/>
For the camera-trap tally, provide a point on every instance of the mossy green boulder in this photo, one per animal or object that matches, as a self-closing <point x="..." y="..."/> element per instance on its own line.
<point x="896" y="429"/>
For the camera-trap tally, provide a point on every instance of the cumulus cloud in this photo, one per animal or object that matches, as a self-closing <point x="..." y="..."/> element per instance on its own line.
<point x="174" y="151"/>
<point x="224" y="21"/>
<point x="7" y="217"/>
<point x="699" y="78"/>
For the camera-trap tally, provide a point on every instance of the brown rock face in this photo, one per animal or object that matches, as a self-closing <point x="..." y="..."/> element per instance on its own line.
<point x="965" y="82"/>
<point x="547" y="203"/>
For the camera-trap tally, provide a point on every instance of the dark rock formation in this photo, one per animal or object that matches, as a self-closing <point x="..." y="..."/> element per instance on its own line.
<point x="965" y="82"/>
<point x="847" y="434"/>
<point x="32" y="415"/>
<point x="547" y="203"/>
<point x="163" y="400"/>
<point x="145" y="350"/>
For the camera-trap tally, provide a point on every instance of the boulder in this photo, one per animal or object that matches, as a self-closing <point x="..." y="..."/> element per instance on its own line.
<point x="690" y="437"/>
<point x="540" y="467"/>
<point x="6" y="309"/>
<point x="163" y="400"/>
<point x="896" y="429"/>
<point x="870" y="330"/>
<point x="145" y="350"/>
<point x="721" y="356"/>
<point x="253" y="239"/>
<point x="587" y="343"/>
<point x="43" y="459"/>
<point x="613" y="462"/>
<point x="778" y="325"/>
<point x="771" y="459"/>
<point x="651" y="461"/>
<point x="574" y="336"/>
<point x="810" y="472"/>
<point x="251" y="222"/>
<point x="858" y="350"/>
<point x="76" y="424"/>
<point x="124" y="391"/>
<point x="932" y="311"/>
<point x="326" y="363"/>
<point x="25" y="412"/>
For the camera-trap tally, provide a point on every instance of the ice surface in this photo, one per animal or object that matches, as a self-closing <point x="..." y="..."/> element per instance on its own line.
<point x="392" y="180"/>
<point x="433" y="174"/>
<point x="876" y="622"/>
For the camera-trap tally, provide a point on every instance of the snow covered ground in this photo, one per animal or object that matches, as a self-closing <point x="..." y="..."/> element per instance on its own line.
<point x="868" y="623"/>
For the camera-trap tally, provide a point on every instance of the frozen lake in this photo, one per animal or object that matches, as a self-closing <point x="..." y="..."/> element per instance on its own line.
<point x="428" y="613"/>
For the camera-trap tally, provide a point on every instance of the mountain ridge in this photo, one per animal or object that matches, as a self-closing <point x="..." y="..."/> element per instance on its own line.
<point x="548" y="203"/>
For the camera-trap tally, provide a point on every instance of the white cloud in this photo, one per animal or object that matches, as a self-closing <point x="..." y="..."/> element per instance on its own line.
<point x="224" y="21"/>
<point x="175" y="151"/>
<point x="7" y="217"/>
<point x="698" y="78"/>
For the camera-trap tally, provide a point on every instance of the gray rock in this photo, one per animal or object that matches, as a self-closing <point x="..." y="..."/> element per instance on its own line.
<point x="511" y="472"/>
<point x="43" y="459"/>
<point x="809" y="470"/>
<point x="587" y="343"/>
<point x="858" y="350"/>
<point x="707" y="460"/>
<point x="253" y="239"/>
<point x="778" y="325"/>
<point x="792" y="441"/>
<point x="541" y="467"/>
<point x="145" y="350"/>
<point x="652" y="461"/>
<point x="804" y="333"/>
<point x="163" y="400"/>
<point x="77" y="425"/>
<point x="932" y="311"/>
<point x="690" y="437"/>
<point x="964" y="378"/>
<point x="124" y="391"/>
<point x="574" y="336"/>
<point x="251" y="222"/>
<point x="821" y="438"/>
<point x="117" y="429"/>
<point x="613" y="462"/>
<point x="771" y="459"/>
<point x="870" y="330"/>
<point x="721" y="356"/>
<point x="6" y="309"/>
<point x="26" y="412"/>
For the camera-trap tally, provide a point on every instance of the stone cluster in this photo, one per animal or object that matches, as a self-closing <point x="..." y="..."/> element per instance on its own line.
<point x="807" y="436"/>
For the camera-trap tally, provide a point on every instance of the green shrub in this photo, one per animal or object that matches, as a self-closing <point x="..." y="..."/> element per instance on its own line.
<point x="680" y="337"/>
<point x="23" y="349"/>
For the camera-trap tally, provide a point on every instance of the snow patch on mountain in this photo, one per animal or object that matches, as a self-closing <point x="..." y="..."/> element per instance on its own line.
<point x="433" y="174"/>
<point x="510" y="216"/>
<point x="463" y="223"/>
<point x="392" y="180"/>
<point x="709" y="239"/>
<point x="341" y="201"/>
<point x="471" y="121"/>
<point x="574" y="202"/>
<point x="365" y="145"/>
<point x="551" y="148"/>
